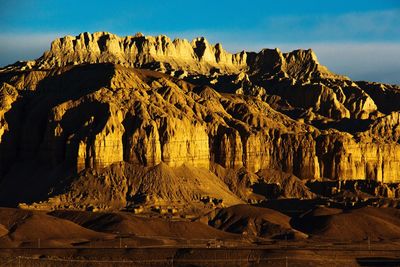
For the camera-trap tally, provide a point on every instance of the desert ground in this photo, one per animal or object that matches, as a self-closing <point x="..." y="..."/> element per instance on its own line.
<point x="240" y="235"/>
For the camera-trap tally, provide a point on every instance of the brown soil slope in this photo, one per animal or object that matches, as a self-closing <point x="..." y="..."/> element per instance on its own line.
<point x="254" y="221"/>
<point x="353" y="225"/>
<point x="123" y="184"/>
<point x="127" y="224"/>
<point x="26" y="227"/>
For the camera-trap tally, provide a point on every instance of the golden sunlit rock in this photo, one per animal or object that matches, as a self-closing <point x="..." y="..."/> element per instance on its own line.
<point x="116" y="116"/>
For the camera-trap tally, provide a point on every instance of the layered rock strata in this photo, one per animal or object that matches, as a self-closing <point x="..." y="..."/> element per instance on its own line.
<point x="83" y="106"/>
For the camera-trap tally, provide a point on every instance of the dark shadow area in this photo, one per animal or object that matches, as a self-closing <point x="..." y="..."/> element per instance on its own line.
<point x="386" y="98"/>
<point x="351" y="126"/>
<point x="199" y="48"/>
<point x="25" y="175"/>
<point x="74" y="82"/>
<point x="378" y="261"/>
<point x="310" y="224"/>
<point x="294" y="113"/>
<point x="270" y="191"/>
<point x="83" y="122"/>
<point x="292" y="207"/>
<point x="224" y="84"/>
<point x="322" y="188"/>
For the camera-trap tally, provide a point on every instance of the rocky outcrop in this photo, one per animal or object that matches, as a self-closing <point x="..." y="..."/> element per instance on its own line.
<point x="385" y="128"/>
<point x="345" y="159"/>
<point x="386" y="97"/>
<point x="8" y="95"/>
<point x="158" y="52"/>
<point x="178" y="57"/>
<point x="298" y="65"/>
<point x="67" y="113"/>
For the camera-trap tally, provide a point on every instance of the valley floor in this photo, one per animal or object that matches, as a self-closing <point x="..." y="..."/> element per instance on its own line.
<point x="323" y="236"/>
<point x="279" y="254"/>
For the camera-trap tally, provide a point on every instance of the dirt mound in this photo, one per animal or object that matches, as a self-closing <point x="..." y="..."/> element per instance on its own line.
<point x="21" y="227"/>
<point x="47" y="227"/>
<point x="3" y="230"/>
<point x="239" y="181"/>
<point x="123" y="184"/>
<point x="184" y="183"/>
<point x="128" y="224"/>
<point x="286" y="185"/>
<point x="355" y="225"/>
<point x="265" y="184"/>
<point x="254" y="221"/>
<point x="9" y="216"/>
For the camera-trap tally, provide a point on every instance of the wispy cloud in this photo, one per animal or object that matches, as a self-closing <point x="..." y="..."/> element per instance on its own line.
<point x="14" y="47"/>
<point x="363" y="61"/>
<point x="361" y="26"/>
<point x="376" y="25"/>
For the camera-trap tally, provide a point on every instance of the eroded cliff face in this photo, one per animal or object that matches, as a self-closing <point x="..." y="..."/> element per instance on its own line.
<point x="159" y="52"/>
<point x="62" y="116"/>
<point x="177" y="57"/>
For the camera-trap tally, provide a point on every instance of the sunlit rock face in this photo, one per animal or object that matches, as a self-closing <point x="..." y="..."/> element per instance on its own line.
<point x="96" y="100"/>
<point x="158" y="52"/>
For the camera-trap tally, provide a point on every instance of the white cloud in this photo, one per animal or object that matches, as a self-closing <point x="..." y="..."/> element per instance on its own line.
<point x="14" y="47"/>
<point x="363" y="61"/>
<point x="355" y="26"/>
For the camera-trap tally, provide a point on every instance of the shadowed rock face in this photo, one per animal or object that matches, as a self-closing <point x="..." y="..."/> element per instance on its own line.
<point x="83" y="106"/>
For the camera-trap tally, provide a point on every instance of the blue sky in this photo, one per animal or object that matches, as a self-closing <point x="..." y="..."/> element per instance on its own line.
<point x="353" y="37"/>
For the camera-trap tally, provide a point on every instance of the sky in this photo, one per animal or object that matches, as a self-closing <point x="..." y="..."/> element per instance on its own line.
<point x="358" y="38"/>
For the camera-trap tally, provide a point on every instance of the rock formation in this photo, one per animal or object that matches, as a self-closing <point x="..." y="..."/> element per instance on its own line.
<point x="97" y="101"/>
